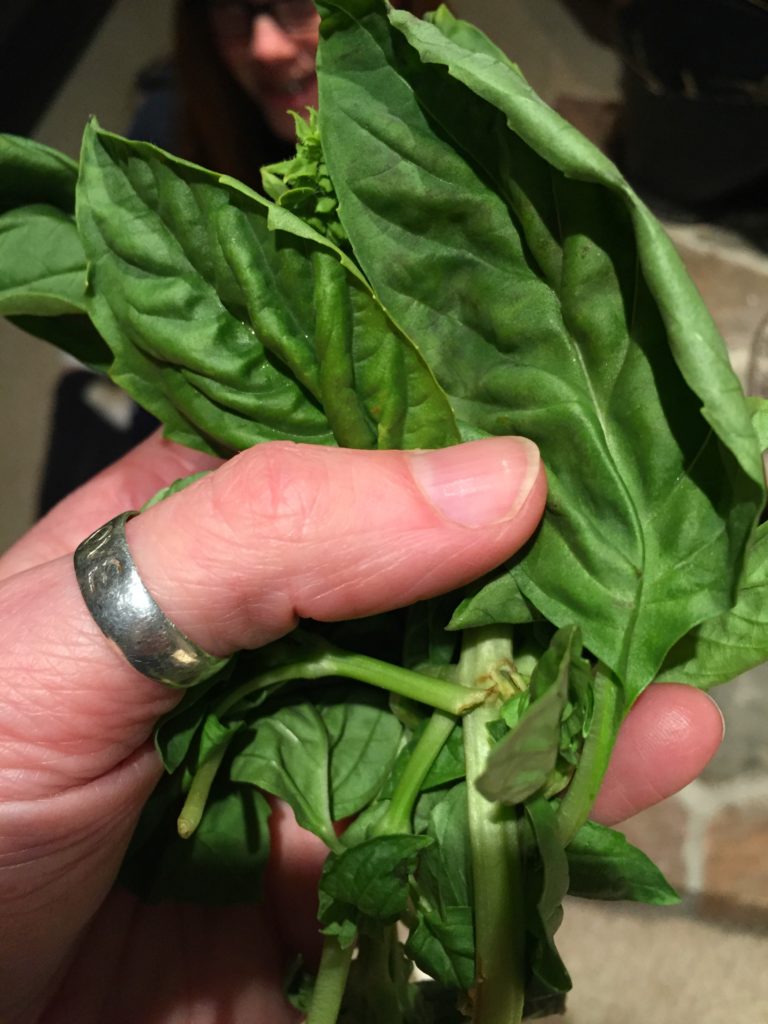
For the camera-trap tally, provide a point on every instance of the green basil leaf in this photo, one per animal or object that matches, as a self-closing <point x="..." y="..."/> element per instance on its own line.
<point x="368" y="882"/>
<point x="442" y="941"/>
<point x="758" y="408"/>
<point x="727" y="645"/>
<point x="605" y="866"/>
<point x="364" y="740"/>
<point x="42" y="264"/>
<point x="263" y="315"/>
<point x="158" y="235"/>
<point x="33" y="173"/>
<point x="547" y="884"/>
<point x="495" y="598"/>
<point x="288" y="757"/>
<point x="548" y="303"/>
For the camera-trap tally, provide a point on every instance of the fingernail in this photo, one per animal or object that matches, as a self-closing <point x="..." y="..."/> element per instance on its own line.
<point x="722" y="716"/>
<point x="478" y="483"/>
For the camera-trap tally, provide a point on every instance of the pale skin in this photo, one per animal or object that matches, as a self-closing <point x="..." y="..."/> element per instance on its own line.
<point x="275" y="68"/>
<point x="279" y="532"/>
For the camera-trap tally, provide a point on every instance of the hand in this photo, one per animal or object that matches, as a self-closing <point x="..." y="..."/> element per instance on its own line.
<point x="279" y="532"/>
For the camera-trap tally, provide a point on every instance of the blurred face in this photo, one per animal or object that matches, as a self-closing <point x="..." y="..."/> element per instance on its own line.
<point x="269" y="48"/>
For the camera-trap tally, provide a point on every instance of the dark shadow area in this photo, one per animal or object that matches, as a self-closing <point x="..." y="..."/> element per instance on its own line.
<point x="40" y="42"/>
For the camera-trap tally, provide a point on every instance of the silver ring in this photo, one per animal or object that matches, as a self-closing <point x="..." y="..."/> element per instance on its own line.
<point x="126" y="613"/>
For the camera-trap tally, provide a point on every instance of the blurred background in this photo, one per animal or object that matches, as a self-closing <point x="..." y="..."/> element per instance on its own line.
<point x="677" y="92"/>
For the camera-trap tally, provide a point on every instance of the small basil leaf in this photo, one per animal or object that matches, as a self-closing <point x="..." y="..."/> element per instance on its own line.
<point x="442" y="941"/>
<point x="492" y="600"/>
<point x="546" y="884"/>
<point x="288" y="757"/>
<point x="364" y="737"/>
<point x="368" y="881"/>
<point x="605" y="866"/>
<point x="522" y="761"/>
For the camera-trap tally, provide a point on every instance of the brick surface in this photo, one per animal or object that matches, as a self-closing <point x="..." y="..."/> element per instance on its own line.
<point x="660" y="833"/>
<point x="735" y="884"/>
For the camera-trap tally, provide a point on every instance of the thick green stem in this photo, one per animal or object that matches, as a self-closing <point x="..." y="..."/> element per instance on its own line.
<point x="495" y="844"/>
<point x="197" y="797"/>
<point x="580" y="795"/>
<point x="436" y="693"/>
<point x="400" y="811"/>
<point x="330" y="983"/>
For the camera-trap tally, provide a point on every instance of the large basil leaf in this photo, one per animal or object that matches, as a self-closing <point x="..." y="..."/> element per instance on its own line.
<point x="548" y="303"/>
<point x="233" y="325"/>
<point x="729" y="644"/>
<point x="33" y="173"/>
<point x="42" y="263"/>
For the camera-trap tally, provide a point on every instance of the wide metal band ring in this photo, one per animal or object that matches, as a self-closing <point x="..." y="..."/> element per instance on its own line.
<point x="129" y="616"/>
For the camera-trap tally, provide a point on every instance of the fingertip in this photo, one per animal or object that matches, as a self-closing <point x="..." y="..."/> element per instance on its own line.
<point x="666" y="741"/>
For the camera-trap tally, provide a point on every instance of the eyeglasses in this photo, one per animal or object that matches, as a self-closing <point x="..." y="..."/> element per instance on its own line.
<point x="235" y="17"/>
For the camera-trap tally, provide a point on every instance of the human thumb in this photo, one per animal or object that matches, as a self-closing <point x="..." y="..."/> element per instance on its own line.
<point x="278" y="533"/>
<point x="287" y="531"/>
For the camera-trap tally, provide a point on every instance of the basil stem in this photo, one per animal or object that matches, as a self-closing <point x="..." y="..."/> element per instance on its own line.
<point x="330" y="983"/>
<point x="437" y="693"/>
<point x="398" y="816"/>
<point x="194" y="805"/>
<point x="495" y="845"/>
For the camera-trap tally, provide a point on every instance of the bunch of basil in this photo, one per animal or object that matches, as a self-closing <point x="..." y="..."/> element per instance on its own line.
<point x="444" y="259"/>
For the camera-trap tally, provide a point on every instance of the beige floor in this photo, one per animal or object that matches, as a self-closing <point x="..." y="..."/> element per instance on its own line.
<point x="641" y="966"/>
<point x="628" y="967"/>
